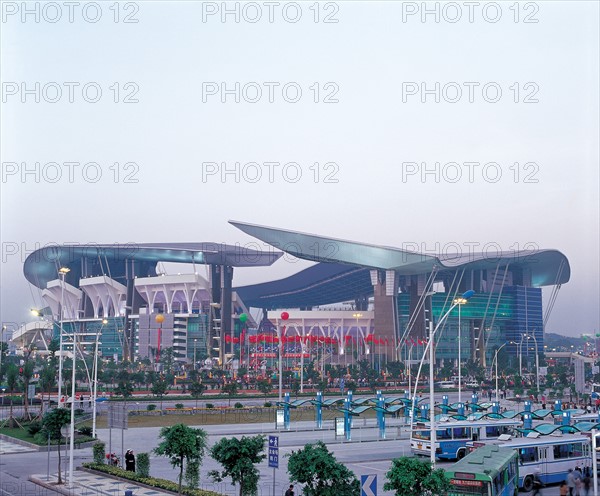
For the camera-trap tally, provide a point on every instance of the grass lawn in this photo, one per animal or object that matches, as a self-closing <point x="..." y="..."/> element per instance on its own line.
<point x="216" y="417"/>
<point x="17" y="432"/>
<point x="23" y="435"/>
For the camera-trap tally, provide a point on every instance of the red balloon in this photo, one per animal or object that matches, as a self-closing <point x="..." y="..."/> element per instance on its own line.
<point x="285" y="315"/>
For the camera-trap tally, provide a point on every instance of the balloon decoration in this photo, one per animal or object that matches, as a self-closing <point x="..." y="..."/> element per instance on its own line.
<point x="243" y="317"/>
<point x="160" y="318"/>
<point x="285" y="315"/>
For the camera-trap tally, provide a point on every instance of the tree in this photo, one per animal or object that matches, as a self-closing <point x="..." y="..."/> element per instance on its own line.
<point x="46" y="382"/>
<point x="184" y="445"/>
<point x="53" y="422"/>
<point x="414" y="477"/>
<point x="264" y="386"/>
<point x="12" y="381"/>
<point x="159" y="388"/>
<point x="28" y="369"/>
<point x="124" y="389"/>
<point x="317" y="468"/>
<point x="238" y="458"/>
<point x="196" y="390"/>
<point x="230" y="389"/>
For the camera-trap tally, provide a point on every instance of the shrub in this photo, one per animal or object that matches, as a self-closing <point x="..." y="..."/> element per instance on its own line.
<point x="151" y="407"/>
<point x="179" y="406"/>
<point x="268" y="404"/>
<point x="210" y="405"/>
<point x="238" y="405"/>
<point x="86" y="430"/>
<point x="34" y="427"/>
<point x="79" y="412"/>
<point x="150" y="481"/>
<point x="99" y="450"/>
<point x="142" y="464"/>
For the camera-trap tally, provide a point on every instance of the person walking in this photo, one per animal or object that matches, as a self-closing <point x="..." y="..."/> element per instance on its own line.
<point x="537" y="484"/>
<point x="571" y="482"/>
<point x="290" y="491"/>
<point x="564" y="489"/>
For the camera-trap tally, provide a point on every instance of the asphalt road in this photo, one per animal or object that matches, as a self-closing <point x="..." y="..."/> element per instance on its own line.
<point x="364" y="455"/>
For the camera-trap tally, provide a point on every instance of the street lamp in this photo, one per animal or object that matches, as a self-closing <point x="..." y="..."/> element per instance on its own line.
<point x="460" y="302"/>
<point x="62" y="272"/>
<point x="496" y="359"/>
<point x="1" y="348"/>
<point x="358" y="316"/>
<point x="429" y="347"/>
<point x="195" y="346"/>
<point x="95" y="393"/>
<point x="537" y="362"/>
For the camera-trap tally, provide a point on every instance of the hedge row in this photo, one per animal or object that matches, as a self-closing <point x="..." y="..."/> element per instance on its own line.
<point x="149" y="481"/>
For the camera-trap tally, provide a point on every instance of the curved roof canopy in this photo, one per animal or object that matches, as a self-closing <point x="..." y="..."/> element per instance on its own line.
<point x="548" y="267"/>
<point x="42" y="265"/>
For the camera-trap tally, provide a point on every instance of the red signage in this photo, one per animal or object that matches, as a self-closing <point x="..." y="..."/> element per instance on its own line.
<point x="470" y="483"/>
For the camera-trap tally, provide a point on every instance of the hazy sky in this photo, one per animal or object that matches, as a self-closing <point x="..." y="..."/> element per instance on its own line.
<point x="360" y="110"/>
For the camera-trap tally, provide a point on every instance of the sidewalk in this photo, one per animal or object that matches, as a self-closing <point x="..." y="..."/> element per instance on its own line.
<point x="86" y="484"/>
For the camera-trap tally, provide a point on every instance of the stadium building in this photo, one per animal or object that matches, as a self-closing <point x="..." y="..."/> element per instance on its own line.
<point x="358" y="300"/>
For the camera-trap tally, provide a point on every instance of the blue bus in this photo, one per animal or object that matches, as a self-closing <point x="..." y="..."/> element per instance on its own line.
<point x="452" y="436"/>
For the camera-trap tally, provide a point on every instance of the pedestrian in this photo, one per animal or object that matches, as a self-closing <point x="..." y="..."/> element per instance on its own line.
<point x="578" y="476"/>
<point x="537" y="483"/>
<point x="571" y="482"/>
<point x="587" y="482"/>
<point x="564" y="489"/>
<point x="290" y="491"/>
<point x="130" y="461"/>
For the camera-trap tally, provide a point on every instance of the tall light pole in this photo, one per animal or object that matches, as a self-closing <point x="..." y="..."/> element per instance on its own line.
<point x="62" y="272"/>
<point x="496" y="359"/>
<point x="358" y="316"/>
<point x="429" y="347"/>
<point x="95" y="393"/>
<point x="195" y="347"/>
<point x="460" y="302"/>
<point x="1" y="348"/>
<point x="537" y="362"/>
<point x="72" y="430"/>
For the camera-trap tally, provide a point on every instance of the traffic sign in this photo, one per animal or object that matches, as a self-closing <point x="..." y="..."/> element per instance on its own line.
<point x="368" y="485"/>
<point x="273" y="452"/>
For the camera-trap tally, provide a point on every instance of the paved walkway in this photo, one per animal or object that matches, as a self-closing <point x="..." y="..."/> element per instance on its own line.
<point x="7" y="448"/>
<point x="86" y="484"/>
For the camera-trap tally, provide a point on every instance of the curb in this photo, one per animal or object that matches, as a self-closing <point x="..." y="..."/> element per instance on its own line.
<point x="43" y="449"/>
<point x="53" y="487"/>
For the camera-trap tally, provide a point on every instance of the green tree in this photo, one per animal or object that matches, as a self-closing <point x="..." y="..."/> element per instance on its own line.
<point x="159" y="389"/>
<point x="183" y="445"/>
<point x="28" y="369"/>
<point x="238" y="458"/>
<point x="12" y="381"/>
<point x="322" y="475"/>
<point x="196" y="390"/>
<point x="53" y="422"/>
<point x="414" y="477"/>
<point x="230" y="389"/>
<point x="47" y="381"/>
<point x="296" y="387"/>
<point x="264" y="386"/>
<point x="124" y="389"/>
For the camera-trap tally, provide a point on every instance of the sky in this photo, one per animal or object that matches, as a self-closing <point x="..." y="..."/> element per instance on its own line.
<point x="430" y="126"/>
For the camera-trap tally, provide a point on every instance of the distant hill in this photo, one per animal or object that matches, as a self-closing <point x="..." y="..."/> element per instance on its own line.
<point x="564" y="343"/>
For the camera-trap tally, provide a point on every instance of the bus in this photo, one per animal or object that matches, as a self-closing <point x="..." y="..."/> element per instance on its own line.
<point x="487" y="471"/>
<point x="550" y="457"/>
<point x="452" y="436"/>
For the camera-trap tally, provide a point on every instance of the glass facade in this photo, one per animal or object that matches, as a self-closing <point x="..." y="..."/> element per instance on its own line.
<point x="518" y="313"/>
